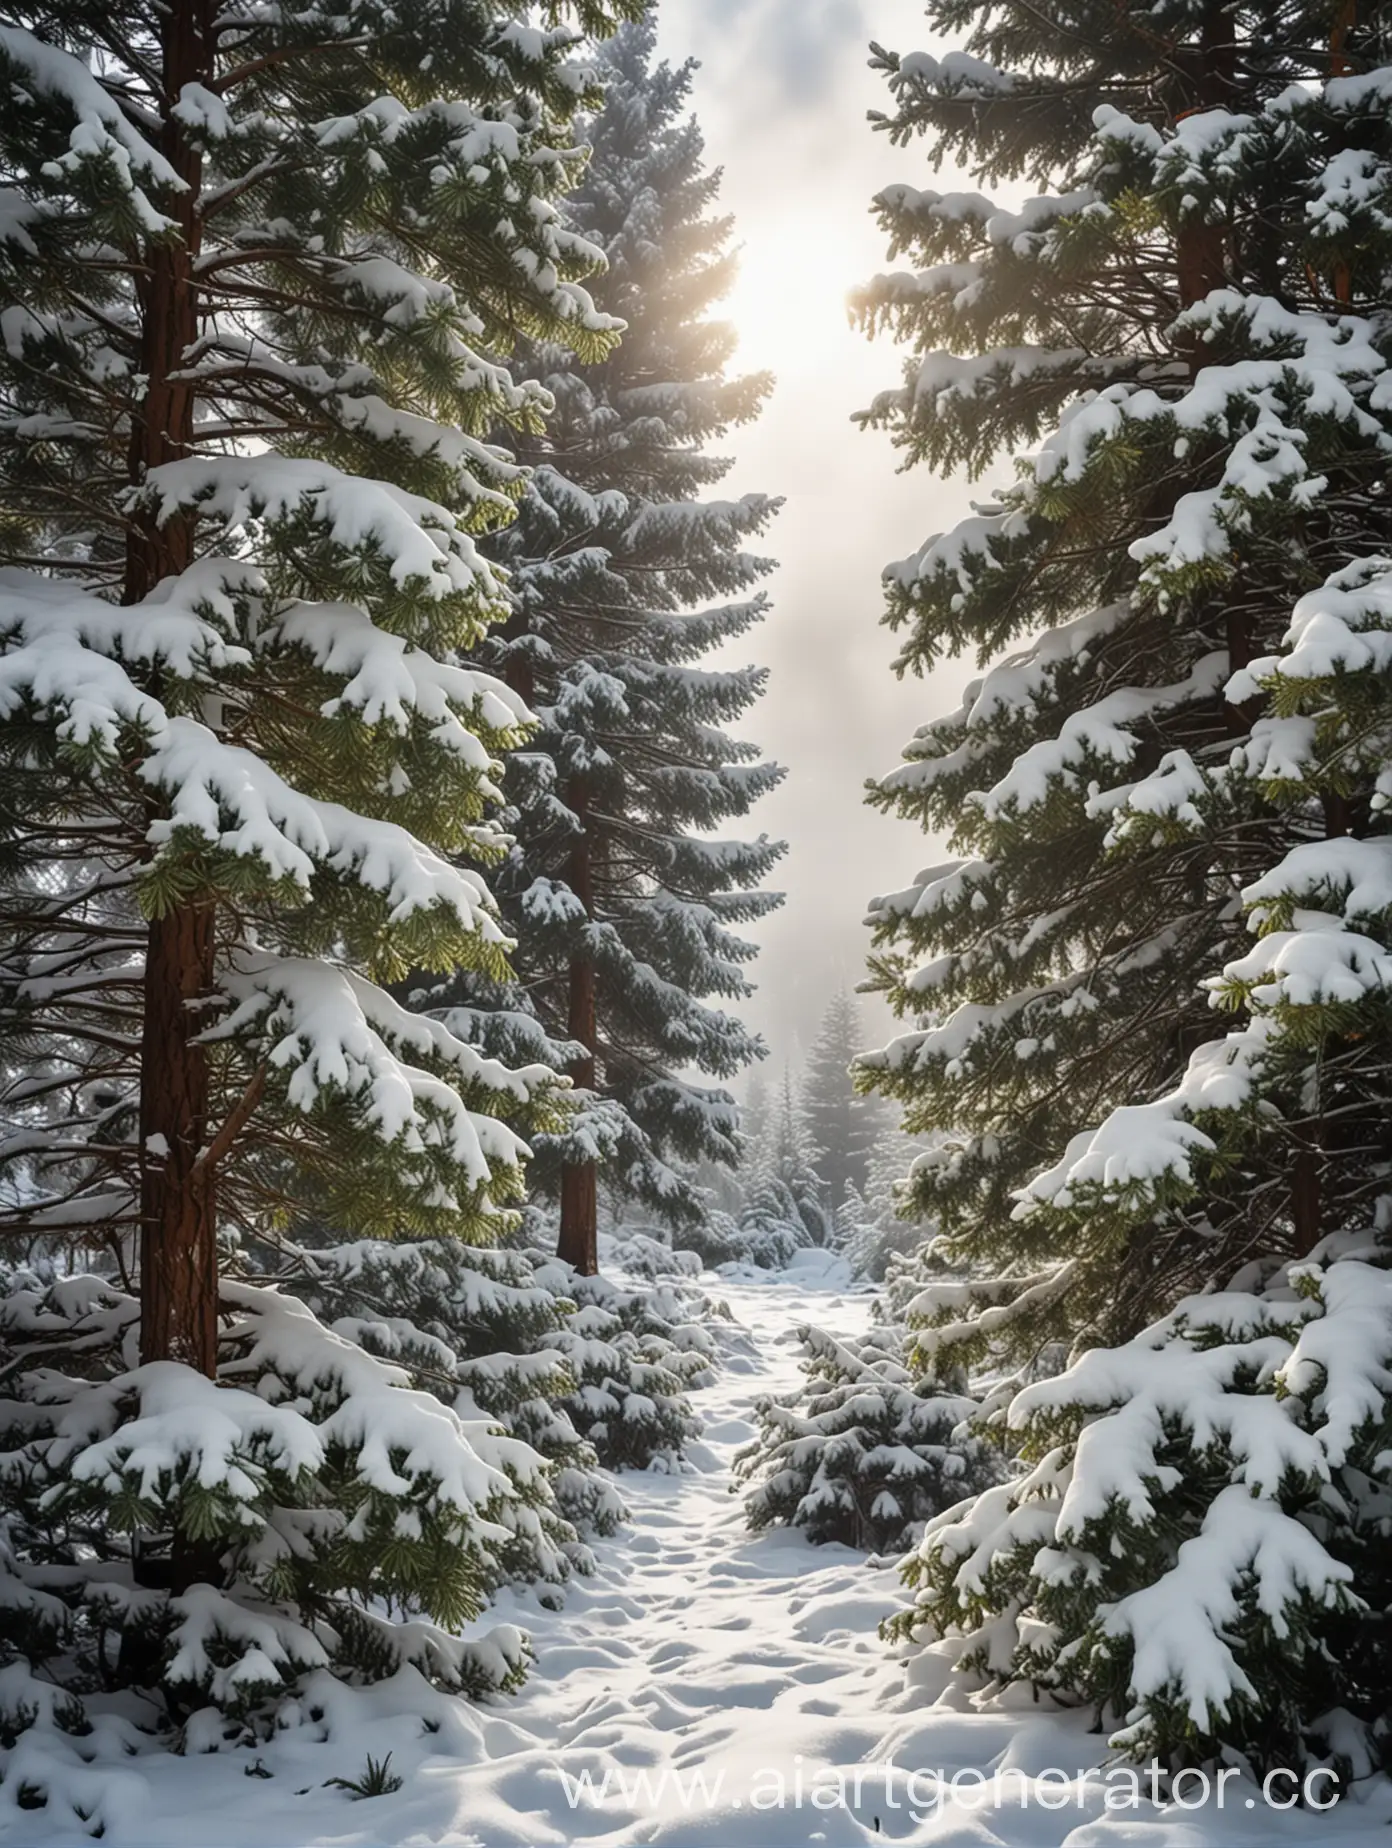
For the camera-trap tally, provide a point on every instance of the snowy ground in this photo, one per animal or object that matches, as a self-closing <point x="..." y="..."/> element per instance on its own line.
<point x="696" y="1649"/>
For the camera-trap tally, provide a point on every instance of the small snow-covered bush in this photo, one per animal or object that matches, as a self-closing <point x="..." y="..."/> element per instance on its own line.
<point x="644" y="1254"/>
<point x="326" y="1513"/>
<point x="586" y="1371"/>
<point x="635" y="1352"/>
<point x="864" y="1452"/>
<point x="771" y="1228"/>
<point x="478" y="1327"/>
<point x="872" y="1232"/>
<point x="716" y="1240"/>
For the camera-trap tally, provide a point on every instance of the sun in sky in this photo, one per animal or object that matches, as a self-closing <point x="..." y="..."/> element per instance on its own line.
<point x="788" y="302"/>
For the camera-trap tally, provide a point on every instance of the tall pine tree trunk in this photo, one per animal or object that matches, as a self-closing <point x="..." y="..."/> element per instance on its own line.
<point x="178" y="1252"/>
<point x="579" y="1238"/>
<point x="178" y="1244"/>
<point x="1201" y="247"/>
<point x="1307" y="1164"/>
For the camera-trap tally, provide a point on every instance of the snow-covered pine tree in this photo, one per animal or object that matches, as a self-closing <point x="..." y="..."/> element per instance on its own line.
<point x="785" y="1205"/>
<point x="864" y="1452"/>
<point x="843" y="1122"/>
<point x="888" y="1227"/>
<point x="634" y="1353"/>
<point x="260" y="269"/>
<point x="852" y="1221"/>
<point x="770" y="1228"/>
<point x="1164" y="324"/>
<point x="628" y="910"/>
<point x="755" y="1106"/>
<point x="1200" y="1546"/>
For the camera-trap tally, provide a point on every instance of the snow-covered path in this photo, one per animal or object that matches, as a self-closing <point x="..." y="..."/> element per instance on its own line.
<point x="742" y="1675"/>
<point x="698" y="1648"/>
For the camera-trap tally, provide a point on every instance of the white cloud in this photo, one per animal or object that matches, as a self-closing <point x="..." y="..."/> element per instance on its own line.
<point x="799" y="45"/>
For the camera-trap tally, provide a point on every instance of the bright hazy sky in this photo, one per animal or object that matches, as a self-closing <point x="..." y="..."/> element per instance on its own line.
<point x="782" y="96"/>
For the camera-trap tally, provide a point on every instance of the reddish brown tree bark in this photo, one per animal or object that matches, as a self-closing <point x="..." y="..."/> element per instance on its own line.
<point x="178" y="1249"/>
<point x="1201" y="249"/>
<point x="579" y="1236"/>
<point x="178" y="1253"/>
<point x="1307" y="1164"/>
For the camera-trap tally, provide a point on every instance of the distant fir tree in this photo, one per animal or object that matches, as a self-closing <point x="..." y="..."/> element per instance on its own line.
<point x="785" y="1198"/>
<point x="1188" y="331"/>
<point x="260" y="269"/>
<point x="843" y="1123"/>
<point x="890" y="1164"/>
<point x="628" y="906"/>
<point x="754" y="1111"/>
<point x="852" y="1221"/>
<point x="889" y="1225"/>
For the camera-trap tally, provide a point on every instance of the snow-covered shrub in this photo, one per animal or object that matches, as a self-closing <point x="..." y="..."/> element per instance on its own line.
<point x="870" y="1239"/>
<point x="634" y="1351"/>
<point x="643" y="1254"/>
<point x="879" y="1229"/>
<point x="864" y="1452"/>
<point x="877" y="1248"/>
<point x="479" y="1328"/>
<point x="587" y="1371"/>
<point x="771" y="1226"/>
<point x="716" y="1239"/>
<point x="853" y="1220"/>
<point x="339" y="1517"/>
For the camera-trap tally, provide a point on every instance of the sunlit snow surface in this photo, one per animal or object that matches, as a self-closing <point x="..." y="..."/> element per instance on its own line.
<point x="694" y="1647"/>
